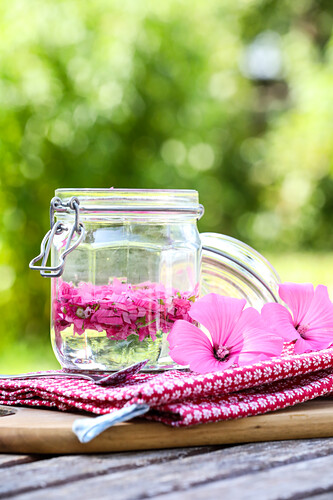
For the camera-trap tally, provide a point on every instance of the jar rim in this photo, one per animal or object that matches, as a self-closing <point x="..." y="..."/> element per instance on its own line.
<point x="134" y="200"/>
<point x="112" y="189"/>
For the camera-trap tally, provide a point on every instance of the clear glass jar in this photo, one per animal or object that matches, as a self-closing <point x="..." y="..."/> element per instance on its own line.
<point x="135" y="272"/>
<point x="232" y="268"/>
<point x="126" y="264"/>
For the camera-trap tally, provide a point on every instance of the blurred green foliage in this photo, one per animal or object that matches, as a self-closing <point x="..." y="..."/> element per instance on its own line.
<point x="234" y="99"/>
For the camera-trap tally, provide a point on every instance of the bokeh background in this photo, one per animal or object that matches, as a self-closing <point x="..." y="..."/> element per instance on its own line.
<point x="233" y="99"/>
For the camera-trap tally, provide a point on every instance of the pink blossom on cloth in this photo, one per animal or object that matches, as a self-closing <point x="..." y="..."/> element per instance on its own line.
<point x="181" y="398"/>
<point x="310" y="320"/>
<point x="237" y="336"/>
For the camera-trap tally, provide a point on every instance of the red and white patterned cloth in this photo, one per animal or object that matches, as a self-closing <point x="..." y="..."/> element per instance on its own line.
<point x="183" y="398"/>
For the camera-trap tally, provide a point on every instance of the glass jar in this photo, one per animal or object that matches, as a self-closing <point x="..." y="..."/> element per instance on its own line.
<point x="232" y="268"/>
<point x="126" y="264"/>
<point x="135" y="271"/>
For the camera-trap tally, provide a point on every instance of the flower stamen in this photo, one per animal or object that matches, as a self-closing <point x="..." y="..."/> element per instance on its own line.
<point x="302" y="329"/>
<point x="221" y="353"/>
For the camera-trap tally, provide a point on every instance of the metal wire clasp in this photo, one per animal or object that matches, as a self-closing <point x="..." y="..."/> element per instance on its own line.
<point x="57" y="228"/>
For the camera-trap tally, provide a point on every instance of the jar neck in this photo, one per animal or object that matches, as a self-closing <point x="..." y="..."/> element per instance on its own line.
<point x="146" y="217"/>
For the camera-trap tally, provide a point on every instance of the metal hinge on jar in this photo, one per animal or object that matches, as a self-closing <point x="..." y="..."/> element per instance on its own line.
<point x="57" y="228"/>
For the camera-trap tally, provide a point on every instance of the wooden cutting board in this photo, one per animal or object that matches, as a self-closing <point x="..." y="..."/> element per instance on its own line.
<point x="29" y="430"/>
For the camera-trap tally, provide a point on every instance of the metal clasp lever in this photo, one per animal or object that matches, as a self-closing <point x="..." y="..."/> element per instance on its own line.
<point x="57" y="228"/>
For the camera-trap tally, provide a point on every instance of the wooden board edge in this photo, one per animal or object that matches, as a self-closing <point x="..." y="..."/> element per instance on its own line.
<point x="309" y="420"/>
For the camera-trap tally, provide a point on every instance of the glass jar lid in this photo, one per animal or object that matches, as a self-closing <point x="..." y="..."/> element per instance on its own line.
<point x="232" y="268"/>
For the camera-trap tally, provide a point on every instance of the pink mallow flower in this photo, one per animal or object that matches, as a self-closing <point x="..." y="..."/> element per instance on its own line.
<point x="237" y="336"/>
<point x="310" y="321"/>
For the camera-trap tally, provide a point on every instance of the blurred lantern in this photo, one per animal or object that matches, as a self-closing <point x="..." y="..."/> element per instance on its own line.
<point x="262" y="59"/>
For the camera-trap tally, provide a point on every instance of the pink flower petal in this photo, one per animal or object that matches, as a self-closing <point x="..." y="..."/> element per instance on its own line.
<point x="187" y="341"/>
<point x="248" y="324"/>
<point x="258" y="342"/>
<point x="298" y="296"/>
<point x="260" y="345"/>
<point x="302" y="346"/>
<point x="278" y="319"/>
<point x="210" y="365"/>
<point x="319" y="317"/>
<point x="118" y="308"/>
<point x="190" y="346"/>
<point x="218" y="314"/>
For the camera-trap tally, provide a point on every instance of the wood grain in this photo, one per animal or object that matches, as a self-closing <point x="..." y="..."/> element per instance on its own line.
<point x="323" y="496"/>
<point x="10" y="460"/>
<point x="67" y="469"/>
<point x="295" y="481"/>
<point x="44" y="431"/>
<point x="291" y="469"/>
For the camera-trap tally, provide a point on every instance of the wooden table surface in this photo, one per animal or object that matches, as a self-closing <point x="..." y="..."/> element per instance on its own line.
<point x="276" y="470"/>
